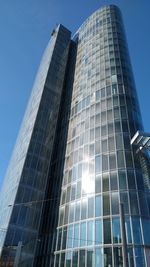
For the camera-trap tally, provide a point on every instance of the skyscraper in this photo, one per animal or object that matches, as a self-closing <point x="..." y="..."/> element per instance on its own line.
<point x="73" y="164"/>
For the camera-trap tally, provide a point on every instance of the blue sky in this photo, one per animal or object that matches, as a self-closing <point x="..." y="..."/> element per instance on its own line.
<point x="25" y="28"/>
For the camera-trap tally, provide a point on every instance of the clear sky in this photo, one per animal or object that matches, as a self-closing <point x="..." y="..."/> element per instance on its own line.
<point x="25" y="28"/>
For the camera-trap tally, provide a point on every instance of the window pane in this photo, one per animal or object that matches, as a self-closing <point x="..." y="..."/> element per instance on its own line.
<point x="105" y="182"/>
<point x="113" y="181"/>
<point x="68" y="259"/>
<point x="107" y="257"/>
<point x="83" y="209"/>
<point x="98" y="257"/>
<point x="82" y="258"/>
<point x="57" y="260"/>
<point x="134" y="204"/>
<point x="106" y="204"/>
<point x="77" y="211"/>
<point x="90" y="258"/>
<point x="115" y="203"/>
<point x="112" y="161"/>
<point x="90" y="233"/>
<point x="118" y="260"/>
<point x="146" y="231"/>
<point x="76" y="236"/>
<point x="70" y="236"/>
<point x="136" y="231"/>
<point x="98" y="164"/>
<point x="131" y="179"/>
<point x="90" y="207"/>
<point x="64" y="240"/>
<point x="124" y="200"/>
<point x="98" y="206"/>
<point x="75" y="259"/>
<point x="104" y="162"/>
<point x="71" y="212"/>
<point x="111" y="144"/>
<point x="116" y="230"/>
<point x="107" y="231"/>
<point x="83" y="234"/>
<point x="139" y="257"/>
<point x="98" y="181"/>
<point x="120" y="159"/>
<point x="128" y="230"/>
<point x="122" y="180"/>
<point x="62" y="260"/>
<point x="98" y="232"/>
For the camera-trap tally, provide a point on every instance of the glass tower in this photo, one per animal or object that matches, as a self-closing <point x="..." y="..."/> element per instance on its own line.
<point x="73" y="164"/>
<point x="101" y="169"/>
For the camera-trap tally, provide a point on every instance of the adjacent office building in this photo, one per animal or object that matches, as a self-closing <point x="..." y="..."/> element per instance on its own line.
<point x="73" y="164"/>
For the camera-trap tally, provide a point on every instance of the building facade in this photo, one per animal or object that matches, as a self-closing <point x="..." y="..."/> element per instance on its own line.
<point x="73" y="163"/>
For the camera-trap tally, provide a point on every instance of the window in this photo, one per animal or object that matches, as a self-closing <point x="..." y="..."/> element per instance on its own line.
<point x="98" y="206"/>
<point x="68" y="259"/>
<point x="90" y="258"/>
<point x="70" y="237"/>
<point x="115" y="203"/>
<point x="76" y="235"/>
<point x="118" y="260"/>
<point x="128" y="230"/>
<point x="98" y="232"/>
<point x="106" y="204"/>
<point x="98" y="164"/>
<point x="136" y="226"/>
<point x="90" y="233"/>
<point x="75" y="259"/>
<point x="107" y="231"/>
<point x="83" y="239"/>
<point x="112" y="161"/>
<point x="113" y="181"/>
<point x="116" y="230"/>
<point x="122" y="180"/>
<point x="90" y="207"/>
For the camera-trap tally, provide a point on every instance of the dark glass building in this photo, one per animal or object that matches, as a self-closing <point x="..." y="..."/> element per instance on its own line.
<point x="73" y="163"/>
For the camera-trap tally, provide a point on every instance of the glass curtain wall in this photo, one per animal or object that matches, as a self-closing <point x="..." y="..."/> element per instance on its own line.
<point x="101" y="169"/>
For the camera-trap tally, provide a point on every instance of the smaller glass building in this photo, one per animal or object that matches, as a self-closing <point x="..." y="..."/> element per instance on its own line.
<point x="27" y="174"/>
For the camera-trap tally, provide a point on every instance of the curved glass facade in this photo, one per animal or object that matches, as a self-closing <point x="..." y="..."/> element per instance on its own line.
<point x="101" y="168"/>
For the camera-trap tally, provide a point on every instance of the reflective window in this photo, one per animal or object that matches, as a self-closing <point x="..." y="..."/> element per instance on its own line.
<point x="68" y="259"/>
<point x="108" y="257"/>
<point x="98" y="206"/>
<point x="105" y="182"/>
<point x="113" y="181"/>
<point x="75" y="259"/>
<point x="146" y="231"/>
<point x="106" y="204"/>
<point x="90" y="233"/>
<point x="98" y="164"/>
<point x="128" y="230"/>
<point x="98" y="232"/>
<point x="122" y="180"/>
<point x="83" y="238"/>
<point x="107" y="231"/>
<point x="136" y="231"/>
<point x="116" y="230"/>
<point x="98" y="257"/>
<point x="118" y="260"/>
<point x="90" y="207"/>
<point x="98" y="182"/>
<point x="70" y="236"/>
<point x="76" y="235"/>
<point x="82" y="258"/>
<point x="90" y="258"/>
<point x="115" y="203"/>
